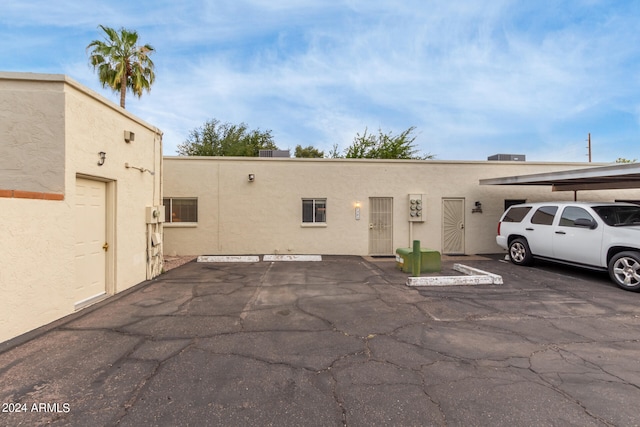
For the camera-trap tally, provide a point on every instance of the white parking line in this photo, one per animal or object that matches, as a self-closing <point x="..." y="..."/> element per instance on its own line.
<point x="292" y="258"/>
<point x="228" y="258"/>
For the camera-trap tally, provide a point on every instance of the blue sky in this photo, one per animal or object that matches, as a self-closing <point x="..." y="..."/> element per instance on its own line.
<point x="475" y="78"/>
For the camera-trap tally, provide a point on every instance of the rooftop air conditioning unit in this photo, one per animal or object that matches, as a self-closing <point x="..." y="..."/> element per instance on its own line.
<point x="274" y="153"/>
<point x="508" y="157"/>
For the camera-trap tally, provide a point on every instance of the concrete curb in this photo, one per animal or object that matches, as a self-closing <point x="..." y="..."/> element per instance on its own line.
<point x="256" y="258"/>
<point x="228" y="258"/>
<point x="473" y="276"/>
<point x="292" y="258"/>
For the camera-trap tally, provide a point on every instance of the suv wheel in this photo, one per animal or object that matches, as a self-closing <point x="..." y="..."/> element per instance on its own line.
<point x="519" y="252"/>
<point x="624" y="270"/>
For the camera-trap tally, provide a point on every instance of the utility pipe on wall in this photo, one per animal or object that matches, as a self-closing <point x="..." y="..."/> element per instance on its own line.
<point x="410" y="231"/>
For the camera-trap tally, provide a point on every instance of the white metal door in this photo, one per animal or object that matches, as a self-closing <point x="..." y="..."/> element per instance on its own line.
<point x="91" y="245"/>
<point x="381" y="226"/>
<point x="453" y="226"/>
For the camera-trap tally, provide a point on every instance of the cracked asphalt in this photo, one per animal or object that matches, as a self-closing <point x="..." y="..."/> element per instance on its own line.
<point x="342" y="342"/>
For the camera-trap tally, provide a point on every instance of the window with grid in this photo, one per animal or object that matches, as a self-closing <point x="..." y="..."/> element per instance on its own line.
<point x="180" y="209"/>
<point x="314" y="210"/>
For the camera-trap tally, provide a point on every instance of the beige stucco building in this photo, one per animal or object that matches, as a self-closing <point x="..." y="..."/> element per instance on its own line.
<point x="83" y="184"/>
<point x="76" y="227"/>
<point x="232" y="206"/>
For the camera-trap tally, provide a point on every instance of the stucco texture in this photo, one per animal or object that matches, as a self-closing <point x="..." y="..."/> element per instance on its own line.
<point x="52" y="130"/>
<point x="236" y="216"/>
<point x="32" y="135"/>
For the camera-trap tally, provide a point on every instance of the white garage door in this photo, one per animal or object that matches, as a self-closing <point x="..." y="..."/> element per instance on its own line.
<point x="90" y="257"/>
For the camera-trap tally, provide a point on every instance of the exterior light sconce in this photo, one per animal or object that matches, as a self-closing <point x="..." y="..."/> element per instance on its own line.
<point x="102" y="155"/>
<point x="129" y="136"/>
<point x="478" y="208"/>
<point x="252" y="177"/>
<point x="357" y="213"/>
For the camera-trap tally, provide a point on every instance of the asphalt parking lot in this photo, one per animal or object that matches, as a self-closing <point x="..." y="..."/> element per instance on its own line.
<point x="338" y="342"/>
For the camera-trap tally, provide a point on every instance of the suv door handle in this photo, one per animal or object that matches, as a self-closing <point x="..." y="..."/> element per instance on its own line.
<point x="529" y="229"/>
<point x="560" y="232"/>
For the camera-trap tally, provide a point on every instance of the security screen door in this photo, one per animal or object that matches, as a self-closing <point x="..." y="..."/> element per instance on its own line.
<point x="453" y="226"/>
<point x="381" y="226"/>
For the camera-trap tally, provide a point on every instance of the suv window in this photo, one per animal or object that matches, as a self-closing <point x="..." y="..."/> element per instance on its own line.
<point x="516" y="214"/>
<point x="544" y="215"/>
<point x="571" y="213"/>
<point x="619" y="215"/>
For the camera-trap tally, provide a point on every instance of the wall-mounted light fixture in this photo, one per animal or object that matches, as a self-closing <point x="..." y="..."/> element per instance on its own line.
<point x="478" y="208"/>
<point x="358" y="211"/>
<point x="129" y="136"/>
<point x="102" y="155"/>
<point x="252" y="177"/>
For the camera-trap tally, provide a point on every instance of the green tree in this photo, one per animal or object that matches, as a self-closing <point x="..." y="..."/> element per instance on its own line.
<point x="385" y="146"/>
<point x="121" y="63"/>
<point x="226" y="139"/>
<point x="623" y="160"/>
<point x="308" y="152"/>
<point x="334" y="153"/>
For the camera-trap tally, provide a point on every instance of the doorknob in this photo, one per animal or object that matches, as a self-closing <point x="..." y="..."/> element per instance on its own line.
<point x="105" y="246"/>
<point x="461" y="226"/>
<point x="370" y="226"/>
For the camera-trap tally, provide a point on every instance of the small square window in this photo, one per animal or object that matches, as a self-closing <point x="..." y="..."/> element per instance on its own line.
<point x="180" y="209"/>
<point x="510" y="202"/>
<point x="314" y="210"/>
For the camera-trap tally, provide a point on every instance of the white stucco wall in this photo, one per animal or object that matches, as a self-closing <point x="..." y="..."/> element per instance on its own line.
<point x="52" y="129"/>
<point x="37" y="246"/>
<point x="31" y="134"/>
<point x="236" y="216"/>
<point x="92" y="127"/>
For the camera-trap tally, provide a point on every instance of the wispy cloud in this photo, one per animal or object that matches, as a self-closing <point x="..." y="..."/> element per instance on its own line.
<point x="474" y="78"/>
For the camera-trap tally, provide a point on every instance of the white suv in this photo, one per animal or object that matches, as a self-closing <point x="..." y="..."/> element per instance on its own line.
<point x="603" y="236"/>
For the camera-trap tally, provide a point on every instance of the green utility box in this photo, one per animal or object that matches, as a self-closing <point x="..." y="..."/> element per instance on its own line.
<point x="429" y="260"/>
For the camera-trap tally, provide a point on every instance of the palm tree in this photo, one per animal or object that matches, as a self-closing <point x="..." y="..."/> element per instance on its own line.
<point x="121" y="63"/>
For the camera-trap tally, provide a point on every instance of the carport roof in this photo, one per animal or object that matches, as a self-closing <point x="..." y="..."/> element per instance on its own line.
<point x="618" y="176"/>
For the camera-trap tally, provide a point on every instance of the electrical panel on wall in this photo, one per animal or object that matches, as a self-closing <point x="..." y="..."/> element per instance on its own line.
<point x="154" y="214"/>
<point x="416" y="208"/>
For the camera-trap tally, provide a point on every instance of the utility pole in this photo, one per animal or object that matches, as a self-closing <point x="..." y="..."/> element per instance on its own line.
<point x="589" y="147"/>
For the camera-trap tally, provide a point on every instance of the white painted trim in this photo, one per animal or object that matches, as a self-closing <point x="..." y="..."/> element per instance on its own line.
<point x="88" y="301"/>
<point x="228" y="258"/>
<point x="180" y="224"/>
<point x="313" y="225"/>
<point x="292" y="258"/>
